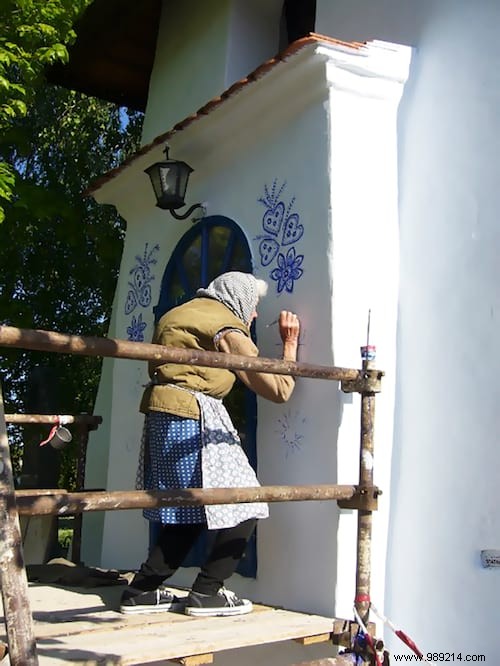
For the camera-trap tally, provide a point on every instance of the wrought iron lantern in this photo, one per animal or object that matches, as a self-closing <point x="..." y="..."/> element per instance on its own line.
<point x="169" y="179"/>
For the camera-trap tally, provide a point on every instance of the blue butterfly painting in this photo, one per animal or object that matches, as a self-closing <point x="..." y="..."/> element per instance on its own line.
<point x="282" y="229"/>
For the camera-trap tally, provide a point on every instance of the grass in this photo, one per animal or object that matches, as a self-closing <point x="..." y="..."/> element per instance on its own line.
<point x="64" y="537"/>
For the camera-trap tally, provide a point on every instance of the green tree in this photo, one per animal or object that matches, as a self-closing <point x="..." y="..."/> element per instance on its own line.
<point x="59" y="250"/>
<point x="33" y="35"/>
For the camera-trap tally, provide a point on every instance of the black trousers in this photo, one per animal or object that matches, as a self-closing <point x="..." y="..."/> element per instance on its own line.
<point x="175" y="542"/>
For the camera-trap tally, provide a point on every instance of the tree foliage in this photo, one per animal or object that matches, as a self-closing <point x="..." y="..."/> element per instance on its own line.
<point x="33" y="35"/>
<point x="59" y="250"/>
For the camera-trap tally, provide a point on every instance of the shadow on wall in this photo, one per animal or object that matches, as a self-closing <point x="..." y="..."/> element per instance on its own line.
<point x="298" y="19"/>
<point x="366" y="20"/>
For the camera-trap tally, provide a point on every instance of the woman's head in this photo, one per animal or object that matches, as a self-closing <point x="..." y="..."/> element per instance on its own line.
<point x="240" y="292"/>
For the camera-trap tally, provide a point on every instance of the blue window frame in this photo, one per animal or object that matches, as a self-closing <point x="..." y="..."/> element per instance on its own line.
<point x="213" y="246"/>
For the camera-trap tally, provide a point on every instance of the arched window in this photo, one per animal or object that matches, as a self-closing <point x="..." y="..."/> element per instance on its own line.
<point x="213" y="246"/>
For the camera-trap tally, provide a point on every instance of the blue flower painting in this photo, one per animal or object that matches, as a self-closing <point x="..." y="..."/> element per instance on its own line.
<point x="282" y="230"/>
<point x="288" y="270"/>
<point x="136" y="329"/>
<point x="139" y="293"/>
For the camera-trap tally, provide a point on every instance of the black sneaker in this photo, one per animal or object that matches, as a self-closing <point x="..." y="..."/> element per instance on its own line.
<point x="224" y="602"/>
<point x="160" y="600"/>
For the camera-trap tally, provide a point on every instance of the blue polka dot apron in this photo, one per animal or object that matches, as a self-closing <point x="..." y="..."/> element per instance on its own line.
<point x="185" y="453"/>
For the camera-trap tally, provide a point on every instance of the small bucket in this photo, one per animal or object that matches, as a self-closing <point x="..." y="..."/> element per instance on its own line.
<point x="368" y="353"/>
<point x="61" y="438"/>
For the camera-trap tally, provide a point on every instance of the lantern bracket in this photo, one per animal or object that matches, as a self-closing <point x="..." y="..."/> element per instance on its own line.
<point x="190" y="210"/>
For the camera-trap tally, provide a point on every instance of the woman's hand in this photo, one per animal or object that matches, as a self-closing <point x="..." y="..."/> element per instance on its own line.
<point x="289" y="326"/>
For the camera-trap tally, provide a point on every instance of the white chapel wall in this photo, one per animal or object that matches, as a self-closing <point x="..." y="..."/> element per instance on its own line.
<point x="202" y="49"/>
<point x="195" y="61"/>
<point x="445" y="470"/>
<point x="446" y="396"/>
<point x="285" y="162"/>
<point x="273" y="170"/>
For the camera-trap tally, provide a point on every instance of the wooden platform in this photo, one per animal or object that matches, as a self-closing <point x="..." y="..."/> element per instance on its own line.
<point x="83" y="626"/>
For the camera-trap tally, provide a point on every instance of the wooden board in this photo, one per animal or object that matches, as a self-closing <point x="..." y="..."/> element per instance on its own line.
<point x="83" y="627"/>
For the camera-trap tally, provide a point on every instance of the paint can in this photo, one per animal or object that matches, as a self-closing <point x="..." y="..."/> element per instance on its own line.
<point x="368" y="353"/>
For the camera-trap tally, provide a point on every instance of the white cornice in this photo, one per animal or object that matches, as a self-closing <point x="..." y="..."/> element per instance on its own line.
<point x="252" y="109"/>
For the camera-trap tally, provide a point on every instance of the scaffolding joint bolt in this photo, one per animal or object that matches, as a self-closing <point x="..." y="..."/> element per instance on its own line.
<point x="365" y="499"/>
<point x="367" y="381"/>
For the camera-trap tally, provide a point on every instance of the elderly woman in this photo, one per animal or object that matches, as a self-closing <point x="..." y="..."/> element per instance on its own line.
<point x="190" y="442"/>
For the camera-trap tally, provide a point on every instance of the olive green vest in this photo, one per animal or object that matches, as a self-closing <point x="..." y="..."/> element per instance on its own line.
<point x="192" y="325"/>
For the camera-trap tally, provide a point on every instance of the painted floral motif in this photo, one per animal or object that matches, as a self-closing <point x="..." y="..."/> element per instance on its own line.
<point x="288" y="270"/>
<point x="139" y="293"/>
<point x="288" y="431"/>
<point x="282" y="229"/>
<point x="136" y="329"/>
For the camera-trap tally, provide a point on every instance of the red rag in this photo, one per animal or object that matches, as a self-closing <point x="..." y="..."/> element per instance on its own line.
<point x="406" y="639"/>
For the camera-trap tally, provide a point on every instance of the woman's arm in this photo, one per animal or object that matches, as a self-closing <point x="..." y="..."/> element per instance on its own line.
<point x="277" y="388"/>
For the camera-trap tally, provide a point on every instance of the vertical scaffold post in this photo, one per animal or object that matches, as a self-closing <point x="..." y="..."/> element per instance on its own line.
<point x="13" y="580"/>
<point x="364" y="533"/>
<point x="83" y="439"/>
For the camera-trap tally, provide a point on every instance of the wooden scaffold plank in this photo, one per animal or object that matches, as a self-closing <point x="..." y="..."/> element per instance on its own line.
<point x="196" y="660"/>
<point x="84" y="627"/>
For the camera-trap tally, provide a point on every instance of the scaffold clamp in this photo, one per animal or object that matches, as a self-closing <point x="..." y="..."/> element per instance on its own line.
<point x="365" y="498"/>
<point x="367" y="381"/>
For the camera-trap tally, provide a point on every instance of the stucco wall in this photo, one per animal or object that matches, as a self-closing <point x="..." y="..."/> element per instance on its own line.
<point x="441" y="367"/>
<point x="445" y="470"/>
<point x="190" y="62"/>
<point x="202" y="49"/>
<point x="298" y="154"/>
<point x="231" y="179"/>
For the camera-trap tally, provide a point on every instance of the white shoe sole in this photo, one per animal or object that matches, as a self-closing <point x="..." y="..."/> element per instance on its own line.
<point x="163" y="608"/>
<point x="223" y="611"/>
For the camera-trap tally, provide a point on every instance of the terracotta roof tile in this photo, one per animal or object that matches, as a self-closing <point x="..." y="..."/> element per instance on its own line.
<point x="261" y="70"/>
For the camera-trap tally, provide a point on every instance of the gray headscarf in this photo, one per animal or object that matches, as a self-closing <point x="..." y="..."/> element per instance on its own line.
<point x="238" y="291"/>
